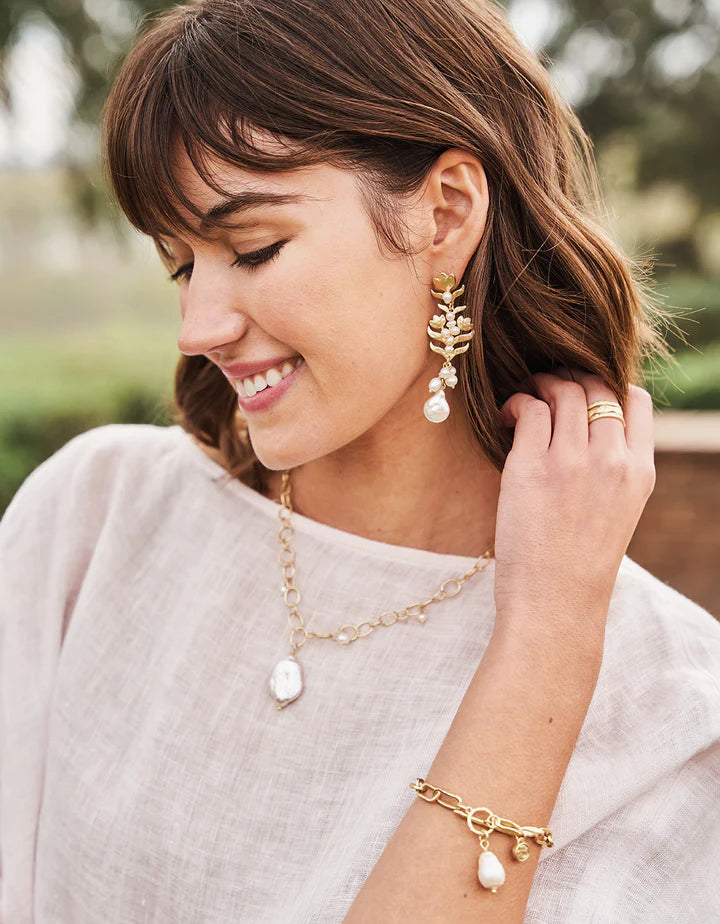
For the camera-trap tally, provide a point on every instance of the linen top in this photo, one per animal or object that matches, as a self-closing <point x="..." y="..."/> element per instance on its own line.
<point x="146" y="774"/>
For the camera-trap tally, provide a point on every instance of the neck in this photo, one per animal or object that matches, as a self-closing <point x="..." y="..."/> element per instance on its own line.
<point x="431" y="490"/>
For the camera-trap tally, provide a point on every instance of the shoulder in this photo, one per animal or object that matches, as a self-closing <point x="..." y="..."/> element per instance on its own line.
<point x="112" y="446"/>
<point x="655" y="625"/>
<point x="105" y="489"/>
<point x="642" y="783"/>
<point x="657" y="701"/>
<point x="75" y="486"/>
<point x="654" y="718"/>
<point x="664" y="649"/>
<point x="98" y="453"/>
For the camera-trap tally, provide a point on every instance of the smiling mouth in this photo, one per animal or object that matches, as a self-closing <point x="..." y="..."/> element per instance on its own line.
<point x="254" y="384"/>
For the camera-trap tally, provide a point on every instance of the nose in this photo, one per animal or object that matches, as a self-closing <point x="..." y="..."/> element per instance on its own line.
<point x="210" y="315"/>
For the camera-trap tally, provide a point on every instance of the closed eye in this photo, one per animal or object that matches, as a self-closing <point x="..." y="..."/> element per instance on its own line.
<point x="250" y="261"/>
<point x="181" y="271"/>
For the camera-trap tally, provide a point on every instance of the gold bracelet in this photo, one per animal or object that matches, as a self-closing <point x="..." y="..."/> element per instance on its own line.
<point x="491" y="873"/>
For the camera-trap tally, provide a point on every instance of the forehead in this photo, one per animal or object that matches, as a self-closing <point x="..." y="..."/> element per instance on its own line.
<point x="222" y="194"/>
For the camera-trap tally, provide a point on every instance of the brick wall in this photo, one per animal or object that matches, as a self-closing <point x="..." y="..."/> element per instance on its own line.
<point x="678" y="536"/>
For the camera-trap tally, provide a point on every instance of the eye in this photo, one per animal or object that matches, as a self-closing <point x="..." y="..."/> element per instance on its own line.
<point x="252" y="260"/>
<point x="181" y="271"/>
<point x="249" y="260"/>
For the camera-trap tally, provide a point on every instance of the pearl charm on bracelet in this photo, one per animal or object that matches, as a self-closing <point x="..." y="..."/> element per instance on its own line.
<point x="491" y="873"/>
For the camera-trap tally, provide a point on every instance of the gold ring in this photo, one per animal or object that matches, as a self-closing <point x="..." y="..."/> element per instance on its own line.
<point x="604" y="404"/>
<point x="599" y="409"/>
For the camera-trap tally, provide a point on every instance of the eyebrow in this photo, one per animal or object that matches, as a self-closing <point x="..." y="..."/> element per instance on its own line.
<point x="246" y="201"/>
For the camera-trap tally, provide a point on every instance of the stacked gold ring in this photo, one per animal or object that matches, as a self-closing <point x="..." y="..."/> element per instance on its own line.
<point x="599" y="409"/>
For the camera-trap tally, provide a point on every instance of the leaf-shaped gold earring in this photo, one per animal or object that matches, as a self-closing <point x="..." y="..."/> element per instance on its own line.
<point x="450" y="331"/>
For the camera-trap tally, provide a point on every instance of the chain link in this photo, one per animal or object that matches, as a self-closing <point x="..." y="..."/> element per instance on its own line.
<point x="542" y="836"/>
<point x="348" y="633"/>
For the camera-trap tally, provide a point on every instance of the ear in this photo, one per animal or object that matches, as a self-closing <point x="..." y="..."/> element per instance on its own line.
<point x="455" y="205"/>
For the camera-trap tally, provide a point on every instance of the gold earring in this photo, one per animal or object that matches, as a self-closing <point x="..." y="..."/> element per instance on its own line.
<point x="450" y="330"/>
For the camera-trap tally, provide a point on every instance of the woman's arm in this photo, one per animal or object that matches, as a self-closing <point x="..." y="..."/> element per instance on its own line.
<point x="566" y="513"/>
<point x="507" y="749"/>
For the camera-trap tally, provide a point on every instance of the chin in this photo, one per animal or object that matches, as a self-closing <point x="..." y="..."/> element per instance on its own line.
<point x="275" y="456"/>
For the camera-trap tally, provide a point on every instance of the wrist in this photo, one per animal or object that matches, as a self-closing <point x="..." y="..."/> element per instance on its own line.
<point x="563" y="637"/>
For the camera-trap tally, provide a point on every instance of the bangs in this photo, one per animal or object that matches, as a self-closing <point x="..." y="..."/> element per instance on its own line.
<point x="174" y="93"/>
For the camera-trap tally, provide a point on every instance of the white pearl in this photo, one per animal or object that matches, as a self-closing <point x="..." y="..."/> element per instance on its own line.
<point x="421" y="617"/>
<point x="343" y="638"/>
<point x="435" y="384"/>
<point x="449" y="316"/>
<point x="490" y="870"/>
<point x="447" y="298"/>
<point x="286" y="681"/>
<point x="451" y="380"/>
<point x="436" y="408"/>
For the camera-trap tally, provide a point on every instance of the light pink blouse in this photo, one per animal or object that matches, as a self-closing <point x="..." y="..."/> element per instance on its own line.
<point x="146" y="775"/>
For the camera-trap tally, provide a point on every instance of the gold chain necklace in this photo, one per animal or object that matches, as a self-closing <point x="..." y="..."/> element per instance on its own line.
<point x="286" y="680"/>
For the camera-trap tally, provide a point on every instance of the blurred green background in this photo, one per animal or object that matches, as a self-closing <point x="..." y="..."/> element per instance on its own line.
<point x="88" y="319"/>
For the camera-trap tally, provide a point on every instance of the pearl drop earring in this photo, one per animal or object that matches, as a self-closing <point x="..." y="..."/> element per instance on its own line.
<point x="449" y="330"/>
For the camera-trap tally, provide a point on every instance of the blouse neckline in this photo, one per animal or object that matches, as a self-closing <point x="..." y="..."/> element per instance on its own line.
<point x="330" y="535"/>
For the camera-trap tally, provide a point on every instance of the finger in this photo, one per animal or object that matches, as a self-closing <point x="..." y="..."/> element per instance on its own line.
<point x="568" y="409"/>
<point x="640" y="424"/>
<point x="605" y="432"/>
<point x="532" y="422"/>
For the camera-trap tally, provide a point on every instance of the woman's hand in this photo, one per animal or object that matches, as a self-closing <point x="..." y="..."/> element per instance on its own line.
<point x="571" y="495"/>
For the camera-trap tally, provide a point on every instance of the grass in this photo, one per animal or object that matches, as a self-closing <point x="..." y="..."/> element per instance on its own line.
<point x="84" y="370"/>
<point x="53" y="387"/>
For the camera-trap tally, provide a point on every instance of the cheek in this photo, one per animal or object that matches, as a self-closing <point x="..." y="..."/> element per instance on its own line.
<point x="326" y="314"/>
<point x="351" y="312"/>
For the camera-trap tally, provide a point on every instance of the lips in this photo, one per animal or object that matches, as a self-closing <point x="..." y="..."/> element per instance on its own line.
<point x="252" y="385"/>
<point x="262" y="400"/>
<point x="246" y="370"/>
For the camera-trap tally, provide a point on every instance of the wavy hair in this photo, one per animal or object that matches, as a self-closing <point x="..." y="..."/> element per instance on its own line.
<point x="383" y="87"/>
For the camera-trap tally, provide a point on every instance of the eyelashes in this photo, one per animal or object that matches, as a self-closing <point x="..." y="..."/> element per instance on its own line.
<point x="251" y="261"/>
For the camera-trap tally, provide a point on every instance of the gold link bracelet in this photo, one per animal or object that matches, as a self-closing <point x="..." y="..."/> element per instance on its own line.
<point x="491" y="873"/>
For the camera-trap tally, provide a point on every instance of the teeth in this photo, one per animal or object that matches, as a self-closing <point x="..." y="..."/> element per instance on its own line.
<point x="252" y="385"/>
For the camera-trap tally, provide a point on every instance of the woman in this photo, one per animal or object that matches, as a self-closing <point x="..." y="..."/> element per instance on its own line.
<point x="385" y="205"/>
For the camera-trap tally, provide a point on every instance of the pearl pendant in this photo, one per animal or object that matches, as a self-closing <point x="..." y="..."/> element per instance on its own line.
<point x="286" y="681"/>
<point x="491" y="873"/>
<point x="436" y="408"/>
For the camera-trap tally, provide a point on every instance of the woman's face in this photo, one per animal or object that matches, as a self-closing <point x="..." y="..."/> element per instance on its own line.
<point x="356" y="315"/>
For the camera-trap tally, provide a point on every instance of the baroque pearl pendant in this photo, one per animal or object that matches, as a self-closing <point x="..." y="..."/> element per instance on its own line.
<point x="436" y="408"/>
<point x="490" y="871"/>
<point x="286" y="681"/>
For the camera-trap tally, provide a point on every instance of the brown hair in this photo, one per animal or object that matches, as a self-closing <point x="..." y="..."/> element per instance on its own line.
<point x="383" y="87"/>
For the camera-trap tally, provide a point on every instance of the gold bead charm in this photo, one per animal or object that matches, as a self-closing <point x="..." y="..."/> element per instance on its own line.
<point x="450" y="331"/>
